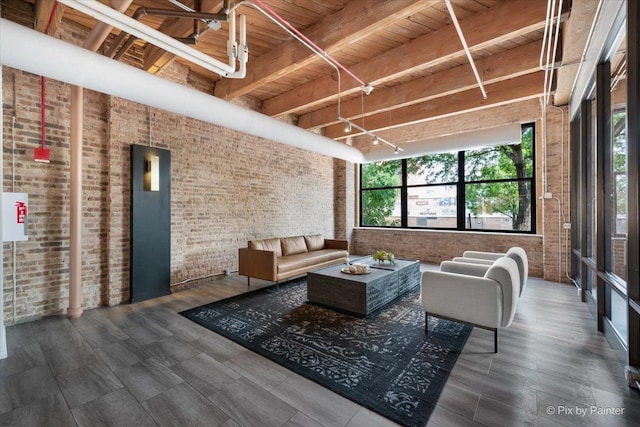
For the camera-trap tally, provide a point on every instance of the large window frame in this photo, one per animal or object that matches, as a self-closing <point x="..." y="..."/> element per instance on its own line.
<point x="616" y="300"/>
<point x="459" y="187"/>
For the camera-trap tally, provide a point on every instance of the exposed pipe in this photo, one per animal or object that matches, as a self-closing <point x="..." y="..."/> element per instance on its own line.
<point x="119" y="20"/>
<point x="95" y="38"/>
<point x="454" y="19"/>
<point x="31" y="51"/>
<point x="75" y="202"/>
<point x="367" y="88"/>
<point x="551" y="51"/>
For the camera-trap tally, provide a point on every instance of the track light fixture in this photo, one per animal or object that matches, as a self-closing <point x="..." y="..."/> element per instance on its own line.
<point x="347" y="128"/>
<point x="376" y="138"/>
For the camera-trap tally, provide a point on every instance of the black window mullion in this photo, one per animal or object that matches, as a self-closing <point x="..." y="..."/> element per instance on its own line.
<point x="461" y="202"/>
<point x="404" y="198"/>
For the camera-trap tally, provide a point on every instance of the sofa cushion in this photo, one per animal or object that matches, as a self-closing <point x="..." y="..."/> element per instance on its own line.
<point x="267" y="245"/>
<point x="314" y="242"/>
<point x="294" y="262"/>
<point x="293" y="245"/>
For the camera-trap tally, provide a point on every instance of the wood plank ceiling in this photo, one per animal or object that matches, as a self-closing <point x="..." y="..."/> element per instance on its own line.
<point x="409" y="51"/>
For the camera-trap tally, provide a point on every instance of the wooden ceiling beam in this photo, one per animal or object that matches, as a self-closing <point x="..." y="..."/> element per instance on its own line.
<point x="506" y="65"/>
<point x="154" y="57"/>
<point x="354" y="22"/>
<point x="515" y="18"/>
<point x="501" y="93"/>
<point x="43" y="11"/>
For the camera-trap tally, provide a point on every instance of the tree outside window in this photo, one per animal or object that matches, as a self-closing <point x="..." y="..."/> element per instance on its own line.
<point x="497" y="184"/>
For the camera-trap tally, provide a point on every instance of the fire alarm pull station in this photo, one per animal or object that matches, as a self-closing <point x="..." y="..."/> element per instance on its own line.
<point x="15" y="217"/>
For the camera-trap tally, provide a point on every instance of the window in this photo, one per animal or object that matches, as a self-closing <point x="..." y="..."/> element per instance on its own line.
<point x="381" y="185"/>
<point x="616" y="171"/>
<point x="484" y="189"/>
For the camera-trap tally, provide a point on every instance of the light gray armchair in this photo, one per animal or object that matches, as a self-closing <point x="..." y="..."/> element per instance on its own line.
<point x="487" y="258"/>
<point x="460" y="292"/>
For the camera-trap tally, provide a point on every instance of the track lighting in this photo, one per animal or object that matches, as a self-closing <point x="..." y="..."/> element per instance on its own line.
<point x="376" y="139"/>
<point x="367" y="89"/>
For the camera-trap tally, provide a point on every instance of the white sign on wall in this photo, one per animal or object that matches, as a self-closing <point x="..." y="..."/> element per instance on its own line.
<point x="15" y="216"/>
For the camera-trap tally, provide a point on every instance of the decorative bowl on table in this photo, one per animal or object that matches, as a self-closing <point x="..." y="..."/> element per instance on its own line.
<point x="356" y="268"/>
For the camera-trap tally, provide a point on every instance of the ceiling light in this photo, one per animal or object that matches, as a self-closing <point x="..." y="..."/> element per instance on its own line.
<point x="375" y="140"/>
<point x="367" y="89"/>
<point x="397" y="150"/>
<point x="347" y="128"/>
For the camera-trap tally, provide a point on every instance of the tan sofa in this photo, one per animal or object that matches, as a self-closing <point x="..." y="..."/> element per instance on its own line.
<point x="278" y="259"/>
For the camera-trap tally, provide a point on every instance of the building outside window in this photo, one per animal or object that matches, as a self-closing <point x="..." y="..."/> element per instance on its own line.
<point x="489" y="188"/>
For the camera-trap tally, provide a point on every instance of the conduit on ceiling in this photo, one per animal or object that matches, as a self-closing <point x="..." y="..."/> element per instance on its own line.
<point x="110" y="16"/>
<point x="31" y="51"/>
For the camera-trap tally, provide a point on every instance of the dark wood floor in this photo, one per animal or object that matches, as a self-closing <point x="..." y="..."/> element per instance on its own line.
<point x="143" y="364"/>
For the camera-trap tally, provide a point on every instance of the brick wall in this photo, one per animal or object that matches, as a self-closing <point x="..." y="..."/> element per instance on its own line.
<point x="227" y="188"/>
<point x="434" y="246"/>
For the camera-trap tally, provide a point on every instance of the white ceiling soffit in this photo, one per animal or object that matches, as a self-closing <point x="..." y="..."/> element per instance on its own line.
<point x="499" y="135"/>
<point x="607" y="26"/>
<point x="34" y="52"/>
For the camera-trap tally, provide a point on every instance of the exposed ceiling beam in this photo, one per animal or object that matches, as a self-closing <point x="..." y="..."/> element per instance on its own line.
<point x="516" y="18"/>
<point x="154" y="57"/>
<point x="354" y="22"/>
<point x="43" y="11"/>
<point x="504" y="92"/>
<point x="506" y="65"/>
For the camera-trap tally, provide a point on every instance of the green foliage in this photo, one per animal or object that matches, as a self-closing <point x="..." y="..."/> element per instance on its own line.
<point x="619" y="126"/>
<point x="382" y="256"/>
<point x="377" y="205"/>
<point x="507" y="162"/>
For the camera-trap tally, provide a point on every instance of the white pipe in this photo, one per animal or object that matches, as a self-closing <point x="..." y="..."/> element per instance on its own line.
<point x="466" y="48"/>
<point x="31" y="51"/>
<point x="119" y="20"/>
<point x="546" y="30"/>
<point x="232" y="45"/>
<point x="243" y="55"/>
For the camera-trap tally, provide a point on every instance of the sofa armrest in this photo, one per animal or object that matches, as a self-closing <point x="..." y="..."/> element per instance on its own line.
<point x="468" y="268"/>
<point x="336" y="244"/>
<point x="482" y="255"/>
<point x="258" y="264"/>
<point x="468" y="260"/>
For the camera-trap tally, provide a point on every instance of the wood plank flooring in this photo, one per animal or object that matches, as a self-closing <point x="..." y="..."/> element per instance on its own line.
<point x="145" y="365"/>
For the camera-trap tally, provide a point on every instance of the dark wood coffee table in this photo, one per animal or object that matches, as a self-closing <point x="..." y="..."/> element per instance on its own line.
<point x="362" y="293"/>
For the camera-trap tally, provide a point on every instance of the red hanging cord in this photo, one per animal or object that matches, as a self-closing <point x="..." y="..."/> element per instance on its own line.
<point x="43" y="126"/>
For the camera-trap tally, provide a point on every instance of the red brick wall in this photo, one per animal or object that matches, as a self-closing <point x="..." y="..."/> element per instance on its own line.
<point x="227" y="188"/>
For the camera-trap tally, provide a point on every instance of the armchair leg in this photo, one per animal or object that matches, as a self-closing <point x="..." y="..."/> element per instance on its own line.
<point x="426" y="323"/>
<point x="277" y="286"/>
<point x="495" y="340"/>
<point x="248" y="282"/>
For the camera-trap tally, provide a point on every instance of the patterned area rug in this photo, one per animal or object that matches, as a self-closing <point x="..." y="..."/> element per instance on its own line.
<point x="384" y="362"/>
